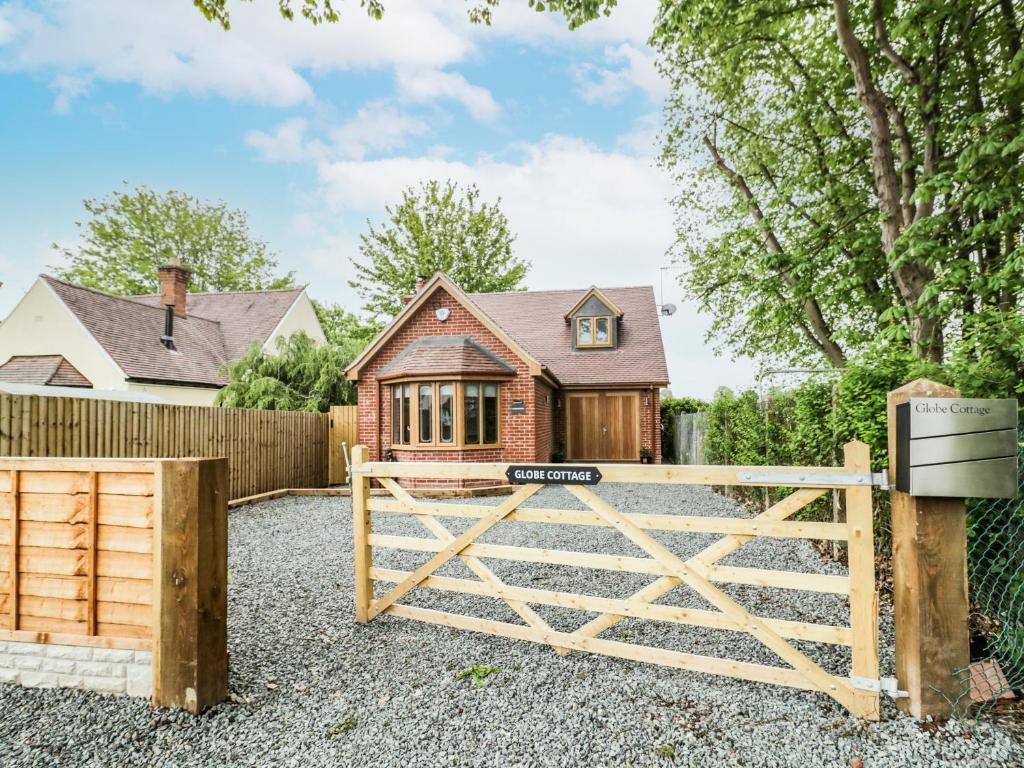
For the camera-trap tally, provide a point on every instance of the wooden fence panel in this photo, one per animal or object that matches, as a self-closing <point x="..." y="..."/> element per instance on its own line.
<point x="344" y="429"/>
<point x="76" y="551"/>
<point x="266" y="450"/>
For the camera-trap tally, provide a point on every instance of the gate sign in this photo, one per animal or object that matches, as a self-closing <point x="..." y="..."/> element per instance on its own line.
<point x="961" y="447"/>
<point x="565" y="474"/>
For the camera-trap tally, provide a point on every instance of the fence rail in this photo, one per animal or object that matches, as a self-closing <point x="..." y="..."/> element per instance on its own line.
<point x="266" y="450"/>
<point x="701" y="572"/>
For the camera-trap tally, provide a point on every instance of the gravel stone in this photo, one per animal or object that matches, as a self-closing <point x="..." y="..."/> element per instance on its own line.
<point x="310" y="687"/>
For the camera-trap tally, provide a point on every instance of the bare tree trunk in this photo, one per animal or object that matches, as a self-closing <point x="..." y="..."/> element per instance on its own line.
<point x="911" y="277"/>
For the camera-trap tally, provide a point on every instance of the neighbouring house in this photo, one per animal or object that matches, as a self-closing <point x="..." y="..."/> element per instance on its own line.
<point x="173" y="345"/>
<point x="523" y="376"/>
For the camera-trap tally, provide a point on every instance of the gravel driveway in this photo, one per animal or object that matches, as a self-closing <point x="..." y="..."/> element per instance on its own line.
<point x="314" y="689"/>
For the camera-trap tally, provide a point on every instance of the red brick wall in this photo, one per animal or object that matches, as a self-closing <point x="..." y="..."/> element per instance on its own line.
<point x="518" y="433"/>
<point x="543" y="438"/>
<point x="650" y="422"/>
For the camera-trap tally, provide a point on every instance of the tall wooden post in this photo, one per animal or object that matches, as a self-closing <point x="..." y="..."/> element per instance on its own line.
<point x="361" y="533"/>
<point x="863" y="596"/>
<point x="929" y="541"/>
<point x="190" y="600"/>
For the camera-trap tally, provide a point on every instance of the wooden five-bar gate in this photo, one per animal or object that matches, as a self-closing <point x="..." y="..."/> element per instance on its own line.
<point x="858" y="692"/>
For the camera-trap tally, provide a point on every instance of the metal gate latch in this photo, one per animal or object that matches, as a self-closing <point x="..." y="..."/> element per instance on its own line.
<point x="886" y="685"/>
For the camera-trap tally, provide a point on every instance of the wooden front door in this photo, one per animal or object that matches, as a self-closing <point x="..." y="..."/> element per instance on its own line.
<point x="603" y="426"/>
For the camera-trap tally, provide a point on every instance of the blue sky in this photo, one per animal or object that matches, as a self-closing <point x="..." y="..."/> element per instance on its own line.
<point x="312" y="130"/>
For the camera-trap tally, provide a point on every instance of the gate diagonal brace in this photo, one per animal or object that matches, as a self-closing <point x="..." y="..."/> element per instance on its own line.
<point x="839" y="689"/>
<point x="712" y="554"/>
<point x="486" y="575"/>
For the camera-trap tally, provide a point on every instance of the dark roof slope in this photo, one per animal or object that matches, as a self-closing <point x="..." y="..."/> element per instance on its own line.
<point x="46" y="370"/>
<point x="445" y="355"/>
<point x="129" y="329"/>
<point x="243" y="315"/>
<point x="536" y="321"/>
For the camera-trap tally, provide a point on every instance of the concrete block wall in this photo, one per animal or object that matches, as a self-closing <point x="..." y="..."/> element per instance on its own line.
<point x="103" y="670"/>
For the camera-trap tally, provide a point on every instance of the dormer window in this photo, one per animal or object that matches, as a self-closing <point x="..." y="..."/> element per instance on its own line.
<point x="593" y="332"/>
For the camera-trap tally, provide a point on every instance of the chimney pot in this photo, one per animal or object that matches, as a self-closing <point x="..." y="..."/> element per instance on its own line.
<point x="174" y="286"/>
<point x="420" y="282"/>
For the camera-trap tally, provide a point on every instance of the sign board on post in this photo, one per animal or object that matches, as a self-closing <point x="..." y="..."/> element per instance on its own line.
<point x="957" y="447"/>
<point x="565" y="474"/>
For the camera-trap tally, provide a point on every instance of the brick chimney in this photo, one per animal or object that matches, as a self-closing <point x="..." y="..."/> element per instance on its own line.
<point x="174" y="286"/>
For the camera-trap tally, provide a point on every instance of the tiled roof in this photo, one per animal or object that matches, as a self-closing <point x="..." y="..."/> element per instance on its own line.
<point x="243" y="315"/>
<point x="46" y="370"/>
<point x="215" y="332"/>
<point x="430" y="355"/>
<point x="536" y="321"/>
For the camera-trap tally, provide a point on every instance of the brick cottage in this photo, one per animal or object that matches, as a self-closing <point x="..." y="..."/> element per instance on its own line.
<point x="524" y="376"/>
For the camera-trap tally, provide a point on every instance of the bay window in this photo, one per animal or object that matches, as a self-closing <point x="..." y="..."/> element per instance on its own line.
<point x="447" y="413"/>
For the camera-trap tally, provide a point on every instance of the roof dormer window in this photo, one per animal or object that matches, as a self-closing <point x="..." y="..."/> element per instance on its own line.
<point x="593" y="332"/>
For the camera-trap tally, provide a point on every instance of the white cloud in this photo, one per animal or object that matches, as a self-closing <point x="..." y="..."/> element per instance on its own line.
<point x="169" y="47"/>
<point x="376" y="127"/>
<point x="426" y="85"/>
<point x="637" y="69"/>
<point x="284" y="144"/>
<point x="68" y="87"/>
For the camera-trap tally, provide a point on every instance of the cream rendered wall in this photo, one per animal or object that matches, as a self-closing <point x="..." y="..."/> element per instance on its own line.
<point x="300" y="317"/>
<point x="177" y="395"/>
<point x="41" y="324"/>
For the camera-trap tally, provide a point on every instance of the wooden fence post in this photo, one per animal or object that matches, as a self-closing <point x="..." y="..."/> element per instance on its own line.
<point x="190" y="600"/>
<point x="863" y="596"/>
<point x="929" y="542"/>
<point x="361" y="534"/>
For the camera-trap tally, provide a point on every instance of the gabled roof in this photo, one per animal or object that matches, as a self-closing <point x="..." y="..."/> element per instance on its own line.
<point x="46" y="370"/>
<point x="532" y="324"/>
<point x="440" y="281"/>
<point x="244" y="316"/>
<point x="217" y="330"/>
<point x="446" y="355"/>
<point x="595" y="292"/>
<point x="536" y="319"/>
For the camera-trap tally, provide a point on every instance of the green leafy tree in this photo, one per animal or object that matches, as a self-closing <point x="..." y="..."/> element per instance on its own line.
<point x="862" y="171"/>
<point x="576" y="12"/>
<point x="437" y="227"/>
<point x="301" y="376"/>
<point x="345" y="330"/>
<point x="130" y="233"/>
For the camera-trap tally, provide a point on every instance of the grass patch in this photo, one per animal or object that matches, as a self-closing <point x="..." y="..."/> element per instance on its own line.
<point x="479" y="673"/>
<point x="344" y="726"/>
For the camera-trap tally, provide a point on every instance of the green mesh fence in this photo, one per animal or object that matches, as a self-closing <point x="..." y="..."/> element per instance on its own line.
<point x="995" y="571"/>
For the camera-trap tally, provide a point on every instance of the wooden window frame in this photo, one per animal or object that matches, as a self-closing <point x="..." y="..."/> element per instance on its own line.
<point x="594" y="343"/>
<point x="402" y="418"/>
<point x="458" y="441"/>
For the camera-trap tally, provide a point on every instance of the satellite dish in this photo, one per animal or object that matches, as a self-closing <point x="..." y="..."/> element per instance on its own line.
<point x="668" y="309"/>
<point x="442" y="313"/>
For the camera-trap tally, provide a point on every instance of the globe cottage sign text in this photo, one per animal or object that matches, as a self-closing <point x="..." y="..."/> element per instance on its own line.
<point x="518" y="474"/>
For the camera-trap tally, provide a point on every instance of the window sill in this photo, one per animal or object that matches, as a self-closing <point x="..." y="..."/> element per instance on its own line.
<point x="452" y="447"/>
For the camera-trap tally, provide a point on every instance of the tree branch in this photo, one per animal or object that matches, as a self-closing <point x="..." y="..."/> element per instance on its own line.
<point x="819" y="332"/>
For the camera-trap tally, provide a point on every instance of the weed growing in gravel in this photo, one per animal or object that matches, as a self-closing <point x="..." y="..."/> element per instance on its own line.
<point x="479" y="673"/>
<point x="666" y="750"/>
<point x="344" y="726"/>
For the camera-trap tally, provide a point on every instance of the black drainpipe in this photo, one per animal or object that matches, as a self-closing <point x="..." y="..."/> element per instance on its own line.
<point x="168" y="338"/>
